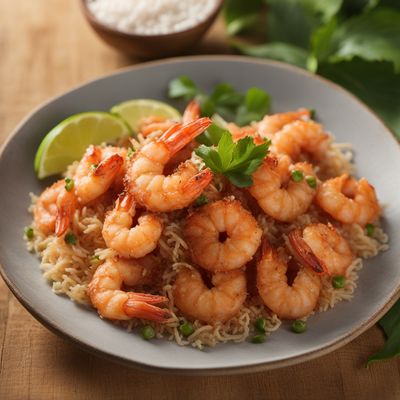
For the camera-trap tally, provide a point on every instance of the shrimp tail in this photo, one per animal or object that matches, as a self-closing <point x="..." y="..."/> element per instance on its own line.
<point x="179" y="138"/>
<point x="196" y="184"/>
<point x="303" y="253"/>
<point x="65" y="210"/>
<point x="125" y="202"/>
<point x="192" y="112"/>
<point x="109" y="167"/>
<point x="134" y="307"/>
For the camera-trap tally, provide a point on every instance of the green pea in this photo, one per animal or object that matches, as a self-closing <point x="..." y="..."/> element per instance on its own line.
<point x="312" y="182"/>
<point x="297" y="175"/>
<point x="260" y="338"/>
<point x="260" y="324"/>
<point x="70" y="238"/>
<point x="338" y="282"/>
<point x="201" y="200"/>
<point x="148" y="332"/>
<point x="29" y="232"/>
<point x="299" y="326"/>
<point x="186" y="329"/>
<point x="370" y="229"/>
<point x="69" y="184"/>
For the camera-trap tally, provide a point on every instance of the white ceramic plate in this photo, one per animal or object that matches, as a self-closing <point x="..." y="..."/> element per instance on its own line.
<point x="377" y="156"/>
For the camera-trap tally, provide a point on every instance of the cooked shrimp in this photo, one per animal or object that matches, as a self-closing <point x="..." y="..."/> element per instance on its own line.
<point x="217" y="304"/>
<point x="322" y="246"/>
<point x="240" y="132"/>
<point x="287" y="301"/>
<point x="97" y="171"/>
<point x="113" y="303"/>
<point x="151" y="187"/>
<point x="348" y="201"/>
<point x="129" y="241"/>
<point x="222" y="236"/>
<point x="301" y="137"/>
<point x="273" y="123"/>
<point x="277" y="194"/>
<point x="54" y="209"/>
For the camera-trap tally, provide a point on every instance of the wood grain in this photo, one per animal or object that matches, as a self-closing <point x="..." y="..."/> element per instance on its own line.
<point x="46" y="47"/>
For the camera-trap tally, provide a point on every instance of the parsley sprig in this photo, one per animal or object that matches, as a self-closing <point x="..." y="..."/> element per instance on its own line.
<point x="237" y="161"/>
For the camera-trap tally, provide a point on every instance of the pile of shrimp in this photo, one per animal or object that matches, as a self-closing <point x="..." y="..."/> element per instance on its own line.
<point x="127" y="234"/>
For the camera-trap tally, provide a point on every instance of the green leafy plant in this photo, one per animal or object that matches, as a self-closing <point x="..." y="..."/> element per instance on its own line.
<point x="355" y="43"/>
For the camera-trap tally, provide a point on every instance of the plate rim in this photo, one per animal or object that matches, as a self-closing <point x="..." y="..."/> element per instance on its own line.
<point x="58" y="330"/>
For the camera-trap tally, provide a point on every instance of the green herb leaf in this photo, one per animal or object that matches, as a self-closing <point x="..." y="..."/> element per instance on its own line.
<point x="182" y="86"/>
<point x="373" y="82"/>
<point x="237" y="161"/>
<point x="391" y="326"/>
<point x="211" y="136"/>
<point x="373" y="36"/>
<point x="294" y="21"/>
<point x="276" y="51"/>
<point x="241" y="15"/>
<point x="257" y="104"/>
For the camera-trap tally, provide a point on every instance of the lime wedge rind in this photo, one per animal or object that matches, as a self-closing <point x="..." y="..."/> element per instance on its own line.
<point x="132" y="111"/>
<point x="68" y="140"/>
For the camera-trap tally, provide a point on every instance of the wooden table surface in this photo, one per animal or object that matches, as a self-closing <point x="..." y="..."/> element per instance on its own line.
<point x="46" y="48"/>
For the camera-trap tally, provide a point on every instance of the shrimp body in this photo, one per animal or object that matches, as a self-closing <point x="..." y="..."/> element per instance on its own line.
<point x="218" y="304"/>
<point x="113" y="303"/>
<point x="287" y="301"/>
<point x="97" y="171"/>
<point x="348" y="201"/>
<point x="204" y="228"/>
<point x="301" y="137"/>
<point x="271" y="124"/>
<point x="145" y="178"/>
<point x="54" y="209"/>
<point x="327" y="245"/>
<point x="129" y="241"/>
<point x="277" y="194"/>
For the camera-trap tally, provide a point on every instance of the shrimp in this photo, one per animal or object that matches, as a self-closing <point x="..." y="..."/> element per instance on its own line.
<point x="301" y="137"/>
<point x="129" y="241"/>
<point x="240" y="132"/>
<point x="222" y="235"/>
<point x="218" y="304"/>
<point x="271" y="124"/>
<point x="322" y="248"/>
<point x="288" y="301"/>
<point x="54" y="209"/>
<point x="348" y="201"/>
<point x="145" y="178"/>
<point x="277" y="194"/>
<point x="97" y="171"/>
<point x="113" y="303"/>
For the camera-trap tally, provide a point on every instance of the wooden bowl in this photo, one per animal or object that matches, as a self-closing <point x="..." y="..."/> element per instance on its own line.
<point x="150" y="46"/>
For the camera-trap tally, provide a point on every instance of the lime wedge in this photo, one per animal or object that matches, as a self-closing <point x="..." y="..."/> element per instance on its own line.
<point x="68" y="140"/>
<point x="132" y="111"/>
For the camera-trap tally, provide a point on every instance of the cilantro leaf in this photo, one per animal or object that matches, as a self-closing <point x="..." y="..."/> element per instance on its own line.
<point x="257" y="103"/>
<point x="211" y="136"/>
<point x="237" y="161"/>
<point x="224" y="100"/>
<point x="182" y="86"/>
